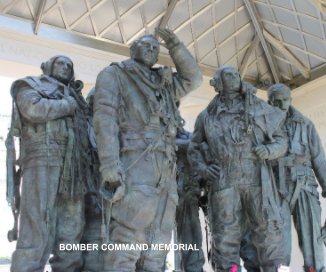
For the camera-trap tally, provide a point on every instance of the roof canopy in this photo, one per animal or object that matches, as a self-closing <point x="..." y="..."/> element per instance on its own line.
<point x="267" y="40"/>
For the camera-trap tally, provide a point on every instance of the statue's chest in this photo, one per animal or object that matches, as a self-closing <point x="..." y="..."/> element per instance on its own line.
<point x="228" y="130"/>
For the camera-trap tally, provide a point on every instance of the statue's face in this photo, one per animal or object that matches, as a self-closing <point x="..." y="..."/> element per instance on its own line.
<point x="282" y="100"/>
<point x="231" y="80"/>
<point x="146" y="51"/>
<point x="62" y="70"/>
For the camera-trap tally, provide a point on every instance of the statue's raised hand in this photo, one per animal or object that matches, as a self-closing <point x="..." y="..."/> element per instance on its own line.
<point x="171" y="40"/>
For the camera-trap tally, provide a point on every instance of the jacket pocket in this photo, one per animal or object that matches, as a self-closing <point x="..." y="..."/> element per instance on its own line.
<point x="136" y="210"/>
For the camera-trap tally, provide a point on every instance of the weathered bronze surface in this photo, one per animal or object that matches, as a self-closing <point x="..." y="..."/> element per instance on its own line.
<point x="297" y="174"/>
<point x="50" y="119"/>
<point x="242" y="133"/>
<point x="135" y="122"/>
<point x="93" y="259"/>
<point x="189" y="230"/>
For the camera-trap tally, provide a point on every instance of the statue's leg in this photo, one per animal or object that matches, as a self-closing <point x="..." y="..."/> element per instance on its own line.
<point x="133" y="215"/>
<point x="160" y="230"/>
<point x="37" y="214"/>
<point x="226" y="218"/>
<point x="93" y="260"/>
<point x="69" y="230"/>
<point x="122" y="260"/>
<point x="189" y="232"/>
<point x="248" y="252"/>
<point x="160" y="233"/>
<point x="266" y="235"/>
<point x="307" y="221"/>
<point x="286" y="232"/>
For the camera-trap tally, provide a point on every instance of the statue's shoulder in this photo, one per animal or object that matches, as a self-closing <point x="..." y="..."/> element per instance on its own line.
<point x="266" y="115"/>
<point x="23" y="83"/>
<point x="125" y="65"/>
<point x="115" y="69"/>
<point x="111" y="68"/>
<point x="300" y="117"/>
<point x="264" y="108"/>
<point x="203" y="114"/>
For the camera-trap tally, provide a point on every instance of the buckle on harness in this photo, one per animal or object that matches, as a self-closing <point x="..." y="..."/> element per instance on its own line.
<point x="249" y="129"/>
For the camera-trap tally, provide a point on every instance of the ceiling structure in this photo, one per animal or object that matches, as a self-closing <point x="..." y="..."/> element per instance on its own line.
<point x="267" y="40"/>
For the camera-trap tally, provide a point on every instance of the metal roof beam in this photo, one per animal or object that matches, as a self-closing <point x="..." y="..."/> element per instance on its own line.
<point x="149" y="24"/>
<point x="320" y="5"/>
<point x="239" y="51"/>
<point x="47" y="33"/>
<point x="143" y="18"/>
<point x="123" y="15"/>
<point x="153" y="21"/>
<point x="194" y="38"/>
<point x="39" y="16"/>
<point x="211" y="28"/>
<point x="216" y="43"/>
<point x="168" y="13"/>
<point x="287" y="54"/>
<point x="89" y="10"/>
<point x="314" y="74"/>
<point x="120" y="24"/>
<point x="9" y="6"/>
<point x="266" y="47"/>
<point x="196" y="15"/>
<point x="51" y="8"/>
<point x="88" y="13"/>
<point x="245" y="60"/>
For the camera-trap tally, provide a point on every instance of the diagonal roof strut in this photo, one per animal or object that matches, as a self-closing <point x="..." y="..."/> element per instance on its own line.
<point x="245" y="60"/>
<point x="39" y="16"/>
<point x="287" y="54"/>
<point x="266" y="47"/>
<point x="168" y="13"/>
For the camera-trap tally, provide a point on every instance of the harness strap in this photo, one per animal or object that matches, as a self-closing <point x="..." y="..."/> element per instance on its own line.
<point x="67" y="167"/>
<point x="281" y="176"/>
<point x="150" y="147"/>
<point x="297" y="190"/>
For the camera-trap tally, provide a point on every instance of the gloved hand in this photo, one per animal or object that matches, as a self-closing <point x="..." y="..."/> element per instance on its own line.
<point x="262" y="152"/>
<point x="113" y="186"/>
<point x="171" y="40"/>
<point x="211" y="173"/>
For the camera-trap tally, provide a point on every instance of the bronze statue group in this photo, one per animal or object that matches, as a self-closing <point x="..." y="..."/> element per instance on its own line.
<point x="121" y="169"/>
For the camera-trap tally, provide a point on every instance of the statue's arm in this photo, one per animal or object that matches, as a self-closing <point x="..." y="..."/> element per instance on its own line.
<point x="188" y="76"/>
<point x="318" y="159"/>
<point x="105" y="121"/>
<point x="38" y="109"/>
<point x="279" y="146"/>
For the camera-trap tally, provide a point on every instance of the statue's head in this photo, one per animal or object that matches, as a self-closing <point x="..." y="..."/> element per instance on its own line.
<point x="226" y="80"/>
<point x="145" y="50"/>
<point x="279" y="95"/>
<point x="60" y="68"/>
